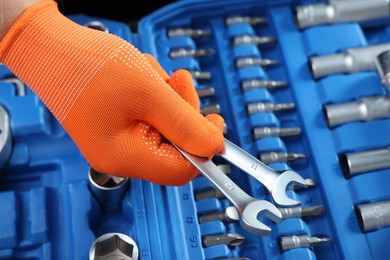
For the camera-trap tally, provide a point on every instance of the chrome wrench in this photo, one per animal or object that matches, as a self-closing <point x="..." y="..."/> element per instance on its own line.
<point x="276" y="182"/>
<point x="248" y="207"/>
<point x="5" y="137"/>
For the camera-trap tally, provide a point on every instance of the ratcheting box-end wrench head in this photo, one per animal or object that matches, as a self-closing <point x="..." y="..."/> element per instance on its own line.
<point x="248" y="207"/>
<point x="276" y="182"/>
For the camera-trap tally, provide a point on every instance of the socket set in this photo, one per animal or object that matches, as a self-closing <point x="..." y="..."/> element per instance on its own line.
<point x="302" y="86"/>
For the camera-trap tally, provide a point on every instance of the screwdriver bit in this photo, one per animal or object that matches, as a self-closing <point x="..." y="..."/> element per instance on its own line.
<point x="308" y="182"/>
<point x="193" y="33"/>
<point x="205" y="92"/>
<point x="260" y="132"/>
<point x="252" y="61"/>
<point x="225" y="239"/>
<point x="225" y="130"/>
<point x="251" y="39"/>
<point x="273" y="157"/>
<point x="299" y="212"/>
<point x="194" y="53"/>
<point x="210" y="109"/>
<point x="291" y="242"/>
<point x="200" y="75"/>
<point x="233" y="20"/>
<point x="260" y="83"/>
<point x="227" y="215"/>
<point x="207" y="194"/>
<point x="259" y="107"/>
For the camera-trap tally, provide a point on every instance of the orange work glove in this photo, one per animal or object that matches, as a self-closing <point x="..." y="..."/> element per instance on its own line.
<point x="110" y="98"/>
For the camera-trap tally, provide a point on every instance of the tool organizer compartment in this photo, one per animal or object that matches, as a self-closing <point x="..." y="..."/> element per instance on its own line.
<point x="49" y="210"/>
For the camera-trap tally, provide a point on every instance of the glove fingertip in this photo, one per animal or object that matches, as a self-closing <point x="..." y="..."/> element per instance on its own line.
<point x="216" y="120"/>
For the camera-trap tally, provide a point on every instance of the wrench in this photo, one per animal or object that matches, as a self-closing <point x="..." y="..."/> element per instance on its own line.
<point x="6" y="142"/>
<point x="275" y="181"/>
<point x="248" y="207"/>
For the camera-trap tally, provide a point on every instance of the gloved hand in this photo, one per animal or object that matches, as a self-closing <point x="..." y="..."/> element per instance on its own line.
<point x="111" y="99"/>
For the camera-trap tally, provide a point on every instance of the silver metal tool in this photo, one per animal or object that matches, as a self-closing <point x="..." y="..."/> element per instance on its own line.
<point x="261" y="83"/>
<point x="276" y="182"/>
<point x="299" y="212"/>
<point x="108" y="189"/>
<point x="248" y="207"/>
<point x="228" y="215"/>
<point x="114" y="246"/>
<point x="309" y="182"/>
<point x="188" y="32"/>
<point x="97" y="26"/>
<point x="194" y="53"/>
<point x="292" y="242"/>
<point x="266" y="131"/>
<point x="373" y="215"/>
<point x="349" y="61"/>
<point x="253" y="61"/>
<point x="274" y="157"/>
<point x="205" y="92"/>
<point x="341" y="11"/>
<point x="382" y="62"/>
<point x="210" y="109"/>
<point x="225" y="128"/>
<point x="20" y="87"/>
<point x="363" y="110"/>
<point x="260" y="107"/>
<point x="207" y="194"/>
<point x="200" y="75"/>
<point x="225" y="168"/>
<point x="253" y="39"/>
<point x="223" y="239"/>
<point x="355" y="163"/>
<point x="6" y="143"/>
<point x="233" y="20"/>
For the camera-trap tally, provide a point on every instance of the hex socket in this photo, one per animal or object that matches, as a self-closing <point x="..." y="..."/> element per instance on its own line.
<point x="340" y="11"/>
<point x="373" y="216"/>
<point x="364" y="109"/>
<point x="107" y="189"/>
<point x="383" y="67"/>
<point x="364" y="161"/>
<point x="114" y="246"/>
<point x="349" y="61"/>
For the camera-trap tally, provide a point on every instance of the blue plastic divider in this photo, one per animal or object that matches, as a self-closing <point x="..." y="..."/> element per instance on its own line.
<point x="49" y="212"/>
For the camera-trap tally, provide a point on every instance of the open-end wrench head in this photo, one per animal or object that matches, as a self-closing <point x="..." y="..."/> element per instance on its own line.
<point x="286" y="179"/>
<point x="250" y="216"/>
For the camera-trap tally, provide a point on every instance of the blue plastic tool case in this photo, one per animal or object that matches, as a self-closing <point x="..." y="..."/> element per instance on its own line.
<point x="47" y="210"/>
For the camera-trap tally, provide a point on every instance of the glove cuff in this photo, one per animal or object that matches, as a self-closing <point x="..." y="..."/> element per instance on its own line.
<point x="24" y="19"/>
